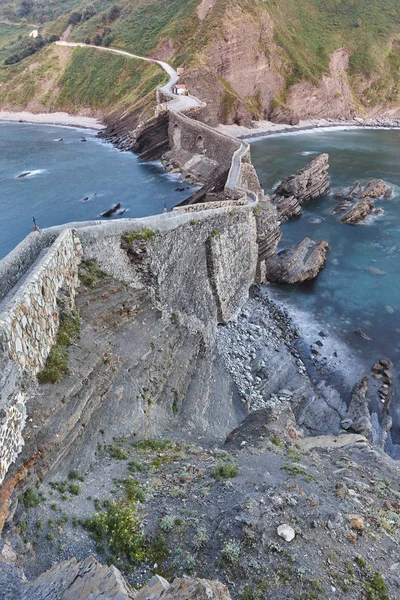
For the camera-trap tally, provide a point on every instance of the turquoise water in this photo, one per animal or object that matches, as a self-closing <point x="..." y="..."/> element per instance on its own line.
<point x="64" y="173"/>
<point x="359" y="288"/>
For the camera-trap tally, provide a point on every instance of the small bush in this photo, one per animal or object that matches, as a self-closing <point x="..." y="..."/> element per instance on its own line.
<point x="225" y="471"/>
<point x="118" y="453"/>
<point x="74" y="489"/>
<point x="29" y="499"/>
<point x="120" y="527"/>
<point x="89" y="272"/>
<point x="56" y="366"/>
<point x="231" y="552"/>
<point x="57" y="362"/>
<point x="155" y="445"/>
<point x="133" y="492"/>
<point x="133" y="236"/>
<point x="74" y="474"/>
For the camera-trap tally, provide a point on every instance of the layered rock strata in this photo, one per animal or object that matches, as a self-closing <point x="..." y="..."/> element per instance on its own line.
<point x="361" y="209"/>
<point x="70" y="580"/>
<point x="310" y="182"/>
<point x="299" y="263"/>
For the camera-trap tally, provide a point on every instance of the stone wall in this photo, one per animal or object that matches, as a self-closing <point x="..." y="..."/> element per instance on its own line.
<point x="28" y="329"/>
<point x="193" y="137"/>
<point x="199" y="266"/>
<point x="29" y="317"/>
<point x="196" y="266"/>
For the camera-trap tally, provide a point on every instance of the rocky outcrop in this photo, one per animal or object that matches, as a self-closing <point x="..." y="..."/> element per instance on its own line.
<point x="359" y="211"/>
<point x="152" y="141"/>
<point x="299" y="263"/>
<point x="310" y="182"/>
<point x="374" y="189"/>
<point x="284" y="115"/>
<point x="330" y="98"/>
<point x="358" y="411"/>
<point x="268" y="236"/>
<point x="73" y="580"/>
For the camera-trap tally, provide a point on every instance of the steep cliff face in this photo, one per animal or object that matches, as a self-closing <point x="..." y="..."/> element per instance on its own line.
<point x="243" y="69"/>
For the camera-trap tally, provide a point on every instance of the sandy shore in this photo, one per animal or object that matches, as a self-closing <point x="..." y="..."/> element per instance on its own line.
<point x="265" y="128"/>
<point x="57" y="118"/>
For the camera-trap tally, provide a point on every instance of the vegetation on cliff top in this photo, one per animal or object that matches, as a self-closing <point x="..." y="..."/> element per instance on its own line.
<point x="307" y="31"/>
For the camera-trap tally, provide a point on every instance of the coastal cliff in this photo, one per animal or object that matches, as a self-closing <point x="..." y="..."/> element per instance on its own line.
<point x="248" y="61"/>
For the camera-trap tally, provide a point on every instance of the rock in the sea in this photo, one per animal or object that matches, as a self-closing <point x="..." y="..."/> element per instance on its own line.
<point x="374" y="189"/>
<point x="343" y="206"/>
<point x="388" y="195"/>
<point x="310" y="182"/>
<point x="360" y="210"/>
<point x="286" y="532"/>
<point x="355" y="189"/>
<point x="299" y="263"/>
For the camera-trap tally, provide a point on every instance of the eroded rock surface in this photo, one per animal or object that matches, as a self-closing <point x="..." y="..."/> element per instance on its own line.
<point x="299" y="263"/>
<point x="374" y="189"/>
<point x="359" y="211"/>
<point x="310" y="182"/>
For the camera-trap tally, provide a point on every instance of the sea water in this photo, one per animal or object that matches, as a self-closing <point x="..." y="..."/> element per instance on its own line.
<point x="359" y="287"/>
<point x="72" y="180"/>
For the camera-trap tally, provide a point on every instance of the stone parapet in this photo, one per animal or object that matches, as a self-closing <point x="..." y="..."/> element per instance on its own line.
<point x="29" y="316"/>
<point x="28" y="328"/>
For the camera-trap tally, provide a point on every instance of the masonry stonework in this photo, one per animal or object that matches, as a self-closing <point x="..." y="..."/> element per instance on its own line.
<point x="28" y="328"/>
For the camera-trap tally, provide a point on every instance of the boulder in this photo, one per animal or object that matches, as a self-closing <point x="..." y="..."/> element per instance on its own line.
<point x="388" y="195"/>
<point x="73" y="580"/>
<point x="355" y="189"/>
<point x="299" y="263"/>
<point x="310" y="182"/>
<point x="374" y="189"/>
<point x="359" y="211"/>
<point x="286" y="532"/>
<point x="343" y="206"/>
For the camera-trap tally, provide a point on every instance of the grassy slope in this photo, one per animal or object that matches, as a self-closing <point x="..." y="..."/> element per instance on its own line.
<point x="90" y="80"/>
<point x="307" y="30"/>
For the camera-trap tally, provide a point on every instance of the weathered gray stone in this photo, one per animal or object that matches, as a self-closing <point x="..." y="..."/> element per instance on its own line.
<point x="310" y="182"/>
<point x="299" y="263"/>
<point x="359" y="211"/>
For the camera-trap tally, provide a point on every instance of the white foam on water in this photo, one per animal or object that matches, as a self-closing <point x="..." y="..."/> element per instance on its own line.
<point x="315" y="129"/>
<point x="347" y="363"/>
<point x="31" y="174"/>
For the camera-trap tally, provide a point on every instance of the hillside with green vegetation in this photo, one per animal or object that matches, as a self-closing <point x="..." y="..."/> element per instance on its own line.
<point x="305" y="34"/>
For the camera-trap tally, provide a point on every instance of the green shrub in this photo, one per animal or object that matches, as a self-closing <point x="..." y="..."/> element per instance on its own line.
<point x="133" y="236"/>
<point x="225" y="471"/>
<point x="57" y="362"/>
<point x="29" y="499"/>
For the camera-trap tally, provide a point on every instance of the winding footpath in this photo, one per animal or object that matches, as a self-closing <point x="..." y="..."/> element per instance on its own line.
<point x="178" y="103"/>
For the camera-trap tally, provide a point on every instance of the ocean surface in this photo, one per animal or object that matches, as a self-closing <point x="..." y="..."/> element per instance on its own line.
<point x="64" y="173"/>
<point x="359" y="288"/>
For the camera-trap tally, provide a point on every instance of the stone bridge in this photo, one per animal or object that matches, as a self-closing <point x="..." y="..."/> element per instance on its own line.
<point x="222" y="251"/>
